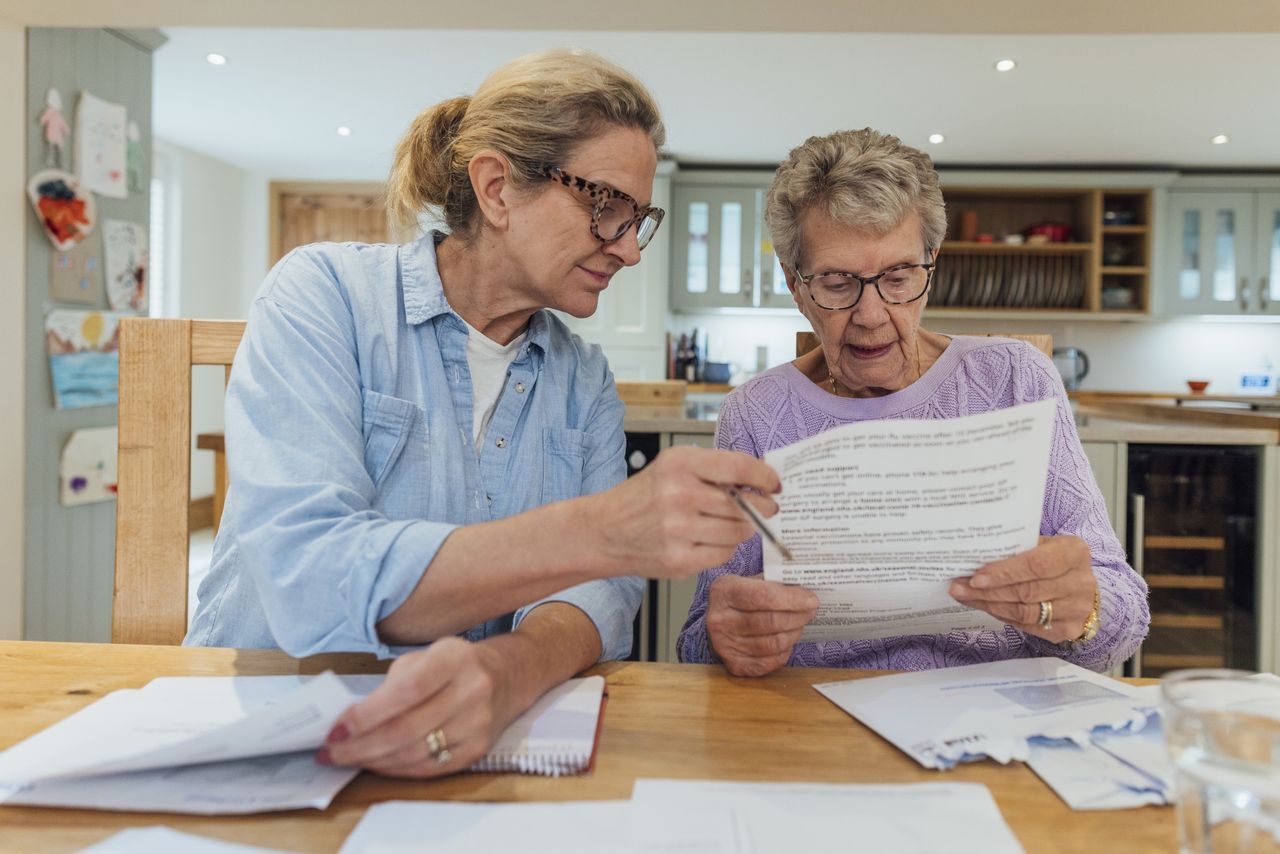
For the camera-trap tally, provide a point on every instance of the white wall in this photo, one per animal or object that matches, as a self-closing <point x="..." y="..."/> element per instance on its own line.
<point x="1152" y="355"/>
<point x="13" y="210"/>
<point x="208" y="272"/>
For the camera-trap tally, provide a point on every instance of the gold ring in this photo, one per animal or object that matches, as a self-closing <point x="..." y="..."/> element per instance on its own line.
<point x="439" y="746"/>
<point x="1046" y="615"/>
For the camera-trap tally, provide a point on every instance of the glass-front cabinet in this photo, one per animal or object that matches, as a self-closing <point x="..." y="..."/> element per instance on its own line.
<point x="1224" y="253"/>
<point x="721" y="252"/>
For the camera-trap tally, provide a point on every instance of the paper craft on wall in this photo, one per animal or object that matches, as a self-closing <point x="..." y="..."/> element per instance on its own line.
<point x="100" y="146"/>
<point x="55" y="130"/>
<point x="65" y="208"/>
<point x="125" y="250"/>
<point x="88" y="468"/>
<point x="133" y="157"/>
<point x="83" y="357"/>
<point x="77" y="272"/>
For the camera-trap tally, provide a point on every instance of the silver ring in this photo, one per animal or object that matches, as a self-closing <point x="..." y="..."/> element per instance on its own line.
<point x="1046" y="615"/>
<point x="439" y="746"/>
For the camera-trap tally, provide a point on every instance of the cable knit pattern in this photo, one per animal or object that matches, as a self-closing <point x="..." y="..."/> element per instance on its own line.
<point x="973" y="375"/>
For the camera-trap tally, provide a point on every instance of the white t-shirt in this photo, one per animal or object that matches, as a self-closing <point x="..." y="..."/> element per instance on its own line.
<point x="488" y="362"/>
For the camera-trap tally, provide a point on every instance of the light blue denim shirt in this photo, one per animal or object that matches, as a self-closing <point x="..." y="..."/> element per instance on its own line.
<point x="348" y="430"/>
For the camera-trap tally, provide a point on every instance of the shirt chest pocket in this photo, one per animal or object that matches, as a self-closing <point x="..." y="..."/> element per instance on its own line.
<point x="563" y="458"/>
<point x="395" y="435"/>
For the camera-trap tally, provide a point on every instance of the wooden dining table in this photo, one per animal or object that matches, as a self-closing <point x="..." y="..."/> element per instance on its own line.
<point x="661" y="720"/>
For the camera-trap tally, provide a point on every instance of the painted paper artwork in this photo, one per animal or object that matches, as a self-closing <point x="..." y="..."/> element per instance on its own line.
<point x="77" y="272"/>
<point x="83" y="357"/>
<point x="88" y="469"/>
<point x="125" y="249"/>
<point x="64" y="207"/>
<point x="100" y="146"/>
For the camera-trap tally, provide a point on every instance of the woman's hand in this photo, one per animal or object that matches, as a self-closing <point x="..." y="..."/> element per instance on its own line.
<point x="1059" y="571"/>
<point x="753" y="624"/>
<point x="674" y="518"/>
<point x="452" y="687"/>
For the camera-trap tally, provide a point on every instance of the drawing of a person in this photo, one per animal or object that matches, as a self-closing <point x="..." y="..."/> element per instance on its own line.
<point x="55" y="128"/>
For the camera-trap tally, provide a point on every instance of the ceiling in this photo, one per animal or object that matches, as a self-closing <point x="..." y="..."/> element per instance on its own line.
<point x="741" y="97"/>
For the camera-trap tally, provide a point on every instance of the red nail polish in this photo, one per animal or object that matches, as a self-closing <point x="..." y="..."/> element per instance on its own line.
<point x="338" y="733"/>
<point x="323" y="757"/>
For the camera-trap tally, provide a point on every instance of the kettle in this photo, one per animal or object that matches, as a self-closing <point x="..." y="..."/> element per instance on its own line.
<point x="1072" y="364"/>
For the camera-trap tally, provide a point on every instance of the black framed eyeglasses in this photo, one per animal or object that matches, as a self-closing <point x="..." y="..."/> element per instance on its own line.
<point x="613" y="212"/>
<point x="839" y="291"/>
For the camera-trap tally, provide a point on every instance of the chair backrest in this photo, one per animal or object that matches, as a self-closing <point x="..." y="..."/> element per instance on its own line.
<point x="806" y="341"/>
<point x="153" y="497"/>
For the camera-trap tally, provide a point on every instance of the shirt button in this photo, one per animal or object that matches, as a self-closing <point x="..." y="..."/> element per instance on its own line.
<point x="501" y="443"/>
<point x="519" y="388"/>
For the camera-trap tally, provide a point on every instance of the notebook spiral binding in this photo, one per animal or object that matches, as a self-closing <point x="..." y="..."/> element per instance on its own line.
<point x="547" y="762"/>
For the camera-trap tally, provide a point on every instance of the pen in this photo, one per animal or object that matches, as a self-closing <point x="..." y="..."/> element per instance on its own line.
<point x="759" y="523"/>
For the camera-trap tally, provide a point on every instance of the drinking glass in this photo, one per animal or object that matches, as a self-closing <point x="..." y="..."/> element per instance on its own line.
<point x="1222" y="730"/>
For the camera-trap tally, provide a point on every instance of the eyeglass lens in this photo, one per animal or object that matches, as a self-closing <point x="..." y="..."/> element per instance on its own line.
<point x="615" y="216"/>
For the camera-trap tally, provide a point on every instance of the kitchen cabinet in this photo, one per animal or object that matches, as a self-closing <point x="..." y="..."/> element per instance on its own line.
<point x="1223" y="249"/>
<point x="674" y="596"/>
<point x="1108" y="460"/>
<point x="721" y="252"/>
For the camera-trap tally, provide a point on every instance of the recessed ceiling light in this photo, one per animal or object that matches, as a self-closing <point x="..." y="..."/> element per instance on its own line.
<point x="344" y="131"/>
<point x="1220" y="139"/>
<point x="1006" y="65"/>
<point x="936" y="138"/>
<point x="216" y="59"/>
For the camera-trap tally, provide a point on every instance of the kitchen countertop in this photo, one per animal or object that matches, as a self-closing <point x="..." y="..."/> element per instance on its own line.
<point x="1147" y="421"/>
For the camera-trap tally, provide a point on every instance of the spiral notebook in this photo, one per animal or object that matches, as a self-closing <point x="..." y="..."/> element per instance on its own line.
<point x="556" y="736"/>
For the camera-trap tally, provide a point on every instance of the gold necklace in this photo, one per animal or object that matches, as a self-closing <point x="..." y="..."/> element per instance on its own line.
<point x="831" y="378"/>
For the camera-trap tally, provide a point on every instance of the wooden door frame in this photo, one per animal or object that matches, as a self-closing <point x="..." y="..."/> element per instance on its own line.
<point x="276" y="189"/>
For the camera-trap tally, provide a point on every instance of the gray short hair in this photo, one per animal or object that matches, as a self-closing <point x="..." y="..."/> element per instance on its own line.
<point x="864" y="179"/>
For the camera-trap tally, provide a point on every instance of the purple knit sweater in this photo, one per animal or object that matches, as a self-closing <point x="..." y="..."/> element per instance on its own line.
<point x="973" y="375"/>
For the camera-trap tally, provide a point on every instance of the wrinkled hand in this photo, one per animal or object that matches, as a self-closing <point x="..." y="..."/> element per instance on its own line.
<point x="753" y="624"/>
<point x="1058" y="570"/>
<point x="453" y="685"/>
<point x="674" y="518"/>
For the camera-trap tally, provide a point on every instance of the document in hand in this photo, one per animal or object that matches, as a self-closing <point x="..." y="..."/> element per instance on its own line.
<point x="881" y="516"/>
<point x="198" y="745"/>
<point x="959" y="714"/>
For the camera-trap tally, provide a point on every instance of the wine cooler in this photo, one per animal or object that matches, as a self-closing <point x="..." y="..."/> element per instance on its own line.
<point x="1193" y="534"/>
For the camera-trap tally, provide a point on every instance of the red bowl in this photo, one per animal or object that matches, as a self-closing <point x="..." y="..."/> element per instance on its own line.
<point x="1197" y="386"/>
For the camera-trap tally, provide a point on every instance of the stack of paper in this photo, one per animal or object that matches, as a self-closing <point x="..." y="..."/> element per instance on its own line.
<point x="209" y="745"/>
<point x="246" y="744"/>
<point x="993" y="710"/>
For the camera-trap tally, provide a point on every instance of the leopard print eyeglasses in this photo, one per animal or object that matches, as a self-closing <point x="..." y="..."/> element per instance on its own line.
<point x="613" y="212"/>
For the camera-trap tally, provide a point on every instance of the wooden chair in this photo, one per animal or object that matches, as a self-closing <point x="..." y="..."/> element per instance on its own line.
<point x="806" y="341"/>
<point x="149" y="604"/>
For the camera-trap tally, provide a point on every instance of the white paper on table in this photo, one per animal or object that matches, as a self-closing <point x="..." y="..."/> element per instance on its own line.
<point x="956" y="714"/>
<point x="226" y="745"/>
<point x="165" y="840"/>
<point x="441" y="827"/>
<point x="1113" y="771"/>
<point x="882" y="515"/>
<point x="718" y="817"/>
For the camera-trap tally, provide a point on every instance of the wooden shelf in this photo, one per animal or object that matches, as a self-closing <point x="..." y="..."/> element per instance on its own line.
<point x="1154" y="659"/>
<point x="1016" y="248"/>
<point x="1187" y="621"/>
<point x="1123" y="271"/>
<point x="1186" y="582"/>
<point x="1023" y="314"/>
<point x="1125" y="229"/>
<point x="1215" y="544"/>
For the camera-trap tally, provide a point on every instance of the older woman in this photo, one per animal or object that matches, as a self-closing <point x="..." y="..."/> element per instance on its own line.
<point x="857" y="218"/>
<point x="421" y="454"/>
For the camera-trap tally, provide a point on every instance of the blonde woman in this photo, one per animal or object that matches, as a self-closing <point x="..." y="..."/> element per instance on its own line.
<point x="421" y="454"/>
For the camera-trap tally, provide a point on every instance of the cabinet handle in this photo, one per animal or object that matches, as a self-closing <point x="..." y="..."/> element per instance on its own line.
<point x="1139" y="504"/>
<point x="1262" y="292"/>
<point x="1244" y="293"/>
